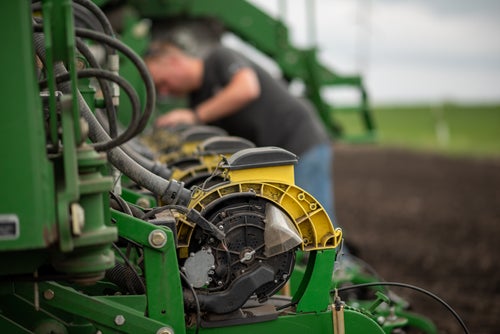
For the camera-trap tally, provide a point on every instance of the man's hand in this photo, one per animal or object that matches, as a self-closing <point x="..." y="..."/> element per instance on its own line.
<point x="175" y="117"/>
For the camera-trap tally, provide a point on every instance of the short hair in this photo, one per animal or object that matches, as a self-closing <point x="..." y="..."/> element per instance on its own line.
<point x="158" y="48"/>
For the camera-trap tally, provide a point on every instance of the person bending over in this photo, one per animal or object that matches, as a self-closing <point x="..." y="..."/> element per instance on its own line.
<point x="227" y="90"/>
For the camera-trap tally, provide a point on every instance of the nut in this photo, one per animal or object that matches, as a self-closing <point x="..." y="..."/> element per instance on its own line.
<point x="48" y="294"/>
<point x="165" y="330"/>
<point x="119" y="320"/>
<point x="157" y="238"/>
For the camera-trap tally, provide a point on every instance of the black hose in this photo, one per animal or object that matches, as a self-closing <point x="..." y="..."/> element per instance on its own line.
<point x="99" y="14"/>
<point x="151" y="165"/>
<point x="78" y="10"/>
<point x="127" y="87"/>
<point x="138" y="63"/>
<point x="136" y="60"/>
<point x="81" y="12"/>
<point x="118" y="203"/>
<point x="171" y="192"/>
<point x="82" y="16"/>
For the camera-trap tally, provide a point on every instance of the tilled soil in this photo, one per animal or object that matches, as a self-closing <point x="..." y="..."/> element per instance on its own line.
<point x="427" y="220"/>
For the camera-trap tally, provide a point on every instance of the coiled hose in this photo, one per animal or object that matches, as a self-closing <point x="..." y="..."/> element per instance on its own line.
<point x="171" y="192"/>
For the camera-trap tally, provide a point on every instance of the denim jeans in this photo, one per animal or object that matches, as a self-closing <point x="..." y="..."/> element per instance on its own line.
<point x="313" y="173"/>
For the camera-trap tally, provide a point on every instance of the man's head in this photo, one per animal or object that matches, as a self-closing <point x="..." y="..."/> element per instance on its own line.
<point x="173" y="71"/>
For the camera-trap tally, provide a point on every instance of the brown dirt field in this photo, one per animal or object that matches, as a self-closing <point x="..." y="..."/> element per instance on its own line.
<point x="427" y="220"/>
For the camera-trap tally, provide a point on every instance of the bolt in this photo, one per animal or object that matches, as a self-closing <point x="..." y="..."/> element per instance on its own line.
<point x="48" y="294"/>
<point x="221" y="227"/>
<point x="157" y="238"/>
<point x="143" y="202"/>
<point x="119" y="320"/>
<point x="165" y="330"/>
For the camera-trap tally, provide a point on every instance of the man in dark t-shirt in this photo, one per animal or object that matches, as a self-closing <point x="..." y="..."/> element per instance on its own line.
<point x="227" y="90"/>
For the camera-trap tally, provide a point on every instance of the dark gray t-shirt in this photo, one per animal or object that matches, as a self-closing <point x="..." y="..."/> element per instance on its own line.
<point x="275" y="118"/>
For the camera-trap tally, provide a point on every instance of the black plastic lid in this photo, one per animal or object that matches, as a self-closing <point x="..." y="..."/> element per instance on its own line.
<point x="224" y="145"/>
<point x="201" y="132"/>
<point x="261" y="157"/>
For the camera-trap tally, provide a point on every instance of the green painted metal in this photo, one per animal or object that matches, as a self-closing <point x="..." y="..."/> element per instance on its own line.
<point x="418" y="321"/>
<point x="46" y="191"/>
<point x="313" y="293"/>
<point x="27" y="208"/>
<point x="163" y="286"/>
<point x="85" y="315"/>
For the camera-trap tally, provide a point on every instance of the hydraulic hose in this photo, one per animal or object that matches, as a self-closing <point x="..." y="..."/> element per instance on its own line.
<point x="151" y="165"/>
<point x="91" y="7"/>
<point x="136" y="60"/>
<point x="170" y="192"/>
<point x="138" y="63"/>
<point x="129" y="90"/>
<point x="98" y="13"/>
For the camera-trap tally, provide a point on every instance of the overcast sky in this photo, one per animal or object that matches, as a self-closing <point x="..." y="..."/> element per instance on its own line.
<point x="407" y="51"/>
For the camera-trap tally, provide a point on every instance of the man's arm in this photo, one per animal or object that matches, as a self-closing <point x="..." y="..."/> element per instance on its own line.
<point x="242" y="89"/>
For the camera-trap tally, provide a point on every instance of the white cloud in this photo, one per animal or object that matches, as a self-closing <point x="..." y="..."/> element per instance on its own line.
<point x="411" y="50"/>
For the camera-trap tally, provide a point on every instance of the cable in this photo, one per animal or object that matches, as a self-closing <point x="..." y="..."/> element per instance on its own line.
<point x="127" y="87"/>
<point x="123" y="205"/>
<point x="409" y="286"/>
<point x="197" y="301"/>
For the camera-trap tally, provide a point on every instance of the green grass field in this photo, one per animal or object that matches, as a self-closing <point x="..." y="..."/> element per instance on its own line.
<point x="449" y="128"/>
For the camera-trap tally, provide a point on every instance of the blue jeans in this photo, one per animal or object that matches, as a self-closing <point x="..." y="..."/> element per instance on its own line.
<point x="313" y="173"/>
